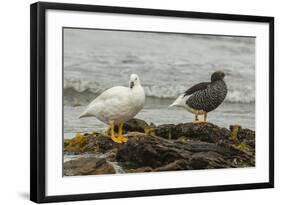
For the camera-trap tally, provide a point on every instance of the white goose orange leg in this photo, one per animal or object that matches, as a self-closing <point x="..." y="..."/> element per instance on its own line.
<point x="114" y="139"/>
<point x="120" y="133"/>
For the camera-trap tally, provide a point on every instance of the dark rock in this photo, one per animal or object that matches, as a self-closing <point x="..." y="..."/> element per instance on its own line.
<point x="147" y="151"/>
<point x="87" y="166"/>
<point x="205" y="160"/>
<point x="164" y="148"/>
<point x="180" y="164"/>
<point x="135" y="125"/>
<point x="246" y="134"/>
<point x="243" y="137"/>
<point x="89" y="143"/>
<point x="247" y="137"/>
<point x="204" y="132"/>
<point x="173" y="166"/>
<point x="167" y="131"/>
<point x="241" y="134"/>
<point x="156" y="152"/>
<point x="141" y="169"/>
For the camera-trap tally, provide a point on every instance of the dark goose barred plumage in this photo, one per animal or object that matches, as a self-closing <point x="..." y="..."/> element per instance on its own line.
<point x="207" y="96"/>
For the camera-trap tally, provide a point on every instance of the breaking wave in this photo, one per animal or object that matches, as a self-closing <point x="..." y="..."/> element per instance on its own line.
<point x="244" y="94"/>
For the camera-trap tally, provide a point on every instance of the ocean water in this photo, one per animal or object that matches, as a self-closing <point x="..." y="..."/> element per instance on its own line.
<point x="167" y="64"/>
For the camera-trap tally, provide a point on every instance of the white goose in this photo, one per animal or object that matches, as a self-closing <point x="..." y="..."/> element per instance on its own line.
<point x="117" y="105"/>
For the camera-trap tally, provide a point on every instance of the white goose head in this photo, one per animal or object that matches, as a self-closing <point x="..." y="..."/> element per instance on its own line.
<point x="134" y="81"/>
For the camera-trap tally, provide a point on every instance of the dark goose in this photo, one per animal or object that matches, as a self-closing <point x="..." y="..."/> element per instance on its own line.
<point x="204" y="97"/>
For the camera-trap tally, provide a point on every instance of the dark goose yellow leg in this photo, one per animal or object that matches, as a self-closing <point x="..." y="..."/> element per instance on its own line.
<point x="114" y="139"/>
<point x="205" y="117"/>
<point x="120" y="133"/>
<point x="196" y="121"/>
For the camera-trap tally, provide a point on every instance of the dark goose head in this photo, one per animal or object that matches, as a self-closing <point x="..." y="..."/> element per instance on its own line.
<point x="218" y="75"/>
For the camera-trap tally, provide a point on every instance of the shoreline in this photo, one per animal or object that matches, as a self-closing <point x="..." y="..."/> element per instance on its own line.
<point x="158" y="114"/>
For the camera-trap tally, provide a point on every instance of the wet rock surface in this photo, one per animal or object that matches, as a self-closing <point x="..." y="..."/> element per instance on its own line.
<point x="88" y="166"/>
<point x="135" y="125"/>
<point x="168" y="147"/>
<point x="204" y="132"/>
<point x="89" y="143"/>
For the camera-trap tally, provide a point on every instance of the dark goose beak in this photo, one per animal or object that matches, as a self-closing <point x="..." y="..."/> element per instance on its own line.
<point x="132" y="84"/>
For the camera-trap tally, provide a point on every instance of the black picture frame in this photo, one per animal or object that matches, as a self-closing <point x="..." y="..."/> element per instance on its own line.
<point x="38" y="100"/>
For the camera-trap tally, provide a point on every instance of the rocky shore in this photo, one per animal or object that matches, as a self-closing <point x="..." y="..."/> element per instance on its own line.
<point x="165" y="147"/>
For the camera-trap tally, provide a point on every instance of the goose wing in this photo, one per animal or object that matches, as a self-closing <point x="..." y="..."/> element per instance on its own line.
<point x="113" y="98"/>
<point x="197" y="87"/>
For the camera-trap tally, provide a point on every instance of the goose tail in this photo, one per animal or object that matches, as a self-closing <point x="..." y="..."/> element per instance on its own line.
<point x="179" y="102"/>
